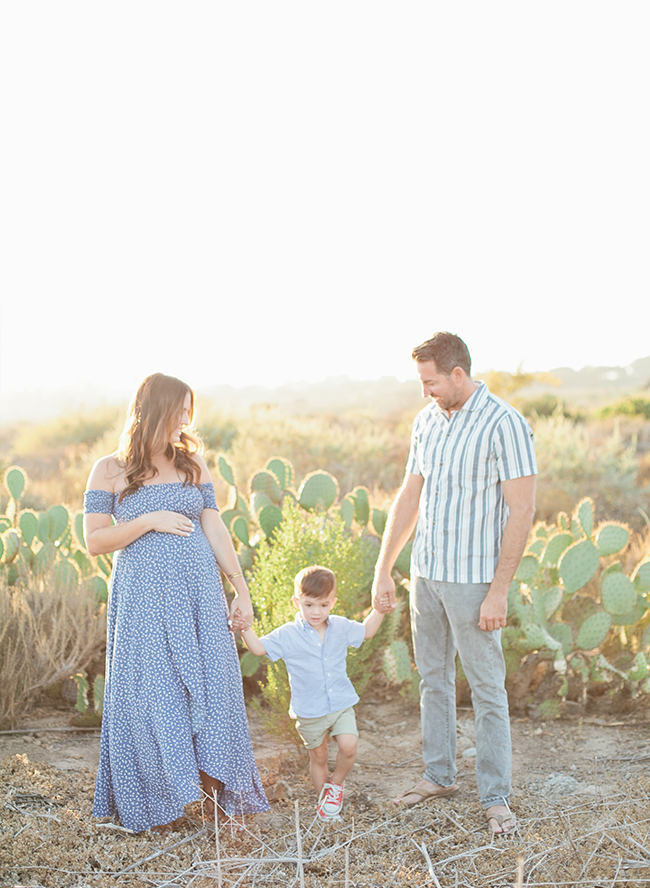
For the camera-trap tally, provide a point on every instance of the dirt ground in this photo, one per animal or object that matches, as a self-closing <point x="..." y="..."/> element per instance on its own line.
<point x="580" y="788"/>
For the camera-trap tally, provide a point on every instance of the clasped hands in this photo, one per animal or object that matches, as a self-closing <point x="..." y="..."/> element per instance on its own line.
<point x="239" y="620"/>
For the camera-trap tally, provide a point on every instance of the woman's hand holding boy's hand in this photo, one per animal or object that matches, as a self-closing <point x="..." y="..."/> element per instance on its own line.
<point x="238" y="621"/>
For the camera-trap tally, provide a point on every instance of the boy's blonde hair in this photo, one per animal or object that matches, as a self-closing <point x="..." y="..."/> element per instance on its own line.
<point x="315" y="582"/>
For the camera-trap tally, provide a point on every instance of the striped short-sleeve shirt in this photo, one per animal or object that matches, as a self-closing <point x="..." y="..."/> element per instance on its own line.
<point x="463" y="459"/>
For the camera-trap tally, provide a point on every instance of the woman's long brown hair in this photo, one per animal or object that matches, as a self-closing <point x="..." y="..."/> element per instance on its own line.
<point x="153" y="415"/>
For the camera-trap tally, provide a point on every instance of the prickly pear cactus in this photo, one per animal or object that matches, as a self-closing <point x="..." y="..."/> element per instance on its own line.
<point x="226" y="471"/>
<point x="641" y="577"/>
<point x="318" y="490"/>
<point x="379" y="518"/>
<point x="584" y="514"/>
<point x="266" y="483"/>
<point x="240" y="528"/>
<point x="617" y="593"/>
<point x="578" y="565"/>
<point x="15" y="481"/>
<point x="593" y="631"/>
<point x="361" y="506"/>
<point x="611" y="538"/>
<point x="269" y="518"/>
<point x="403" y="560"/>
<point x="283" y="471"/>
<point x="347" y="511"/>
<point x="59" y="519"/>
<point x="555" y="547"/>
<point x="397" y="662"/>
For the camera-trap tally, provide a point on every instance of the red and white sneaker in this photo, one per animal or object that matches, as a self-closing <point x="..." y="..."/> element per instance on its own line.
<point x="330" y="802"/>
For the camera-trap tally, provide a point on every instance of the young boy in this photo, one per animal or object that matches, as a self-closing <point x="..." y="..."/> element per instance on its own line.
<point x="314" y="648"/>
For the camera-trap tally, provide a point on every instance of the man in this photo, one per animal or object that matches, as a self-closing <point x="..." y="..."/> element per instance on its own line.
<point x="470" y="488"/>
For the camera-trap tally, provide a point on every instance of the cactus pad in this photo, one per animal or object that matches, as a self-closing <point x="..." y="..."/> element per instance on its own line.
<point x="282" y="469"/>
<point x="641" y="577"/>
<point x="552" y="600"/>
<point x="397" y="662"/>
<point x="528" y="568"/>
<point x="584" y="513"/>
<point x="249" y="664"/>
<point x="59" y="518"/>
<point x="617" y="593"/>
<point x="611" y="538"/>
<point x="98" y="587"/>
<point x="640" y="669"/>
<point x="379" y="519"/>
<point x="593" y="631"/>
<point x="226" y="471"/>
<point x="11" y="542"/>
<point x="403" y="560"/>
<point x="15" y="482"/>
<point x="240" y="528"/>
<point x="555" y="547"/>
<point x="259" y="501"/>
<point x="65" y="574"/>
<point x="578" y="565"/>
<point x="347" y="511"/>
<point x="78" y="525"/>
<point x="269" y="518"/>
<point x="266" y="482"/>
<point x="318" y="491"/>
<point x="28" y="522"/>
<point x="361" y="506"/>
<point x="633" y="616"/>
<point x="537" y="548"/>
<point x="562" y="632"/>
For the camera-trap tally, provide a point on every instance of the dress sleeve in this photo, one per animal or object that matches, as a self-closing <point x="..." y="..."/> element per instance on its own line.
<point x="99" y="501"/>
<point x="209" y="499"/>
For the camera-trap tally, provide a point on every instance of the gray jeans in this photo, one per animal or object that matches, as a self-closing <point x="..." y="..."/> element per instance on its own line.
<point x="444" y="619"/>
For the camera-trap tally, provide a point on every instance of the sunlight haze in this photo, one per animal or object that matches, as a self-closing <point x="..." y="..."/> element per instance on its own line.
<point x="260" y="193"/>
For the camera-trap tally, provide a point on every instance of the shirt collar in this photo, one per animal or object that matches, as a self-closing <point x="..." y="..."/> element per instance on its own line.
<point x="477" y="399"/>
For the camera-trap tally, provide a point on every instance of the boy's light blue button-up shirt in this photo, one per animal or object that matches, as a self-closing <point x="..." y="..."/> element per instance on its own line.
<point x="317" y="673"/>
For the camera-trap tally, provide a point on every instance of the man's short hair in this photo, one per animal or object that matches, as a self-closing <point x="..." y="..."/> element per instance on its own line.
<point x="447" y="351"/>
<point x="315" y="582"/>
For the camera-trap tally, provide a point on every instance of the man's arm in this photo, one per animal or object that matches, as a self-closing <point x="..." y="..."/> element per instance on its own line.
<point x="402" y="518"/>
<point x="519" y="494"/>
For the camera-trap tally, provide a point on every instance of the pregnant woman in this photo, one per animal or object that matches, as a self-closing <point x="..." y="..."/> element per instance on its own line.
<point x="174" y="717"/>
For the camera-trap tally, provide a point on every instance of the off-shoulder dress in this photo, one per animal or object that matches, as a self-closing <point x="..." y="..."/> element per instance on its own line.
<point x="173" y="699"/>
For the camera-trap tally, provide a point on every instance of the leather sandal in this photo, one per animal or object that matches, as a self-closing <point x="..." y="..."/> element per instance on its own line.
<point x="440" y="792"/>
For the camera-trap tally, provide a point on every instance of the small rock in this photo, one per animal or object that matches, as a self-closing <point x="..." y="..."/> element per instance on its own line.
<point x="470" y="753"/>
<point x="560" y="784"/>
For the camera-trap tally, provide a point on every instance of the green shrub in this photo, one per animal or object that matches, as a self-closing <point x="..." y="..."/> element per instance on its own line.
<point x="305" y="538"/>
<point x="571" y="466"/>
<point x="632" y="406"/>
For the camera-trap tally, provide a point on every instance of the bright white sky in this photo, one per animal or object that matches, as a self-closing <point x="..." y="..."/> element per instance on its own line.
<point x="261" y="192"/>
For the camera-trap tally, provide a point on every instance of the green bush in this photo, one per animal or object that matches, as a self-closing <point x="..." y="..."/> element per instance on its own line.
<point x="571" y="463"/>
<point x="305" y="538"/>
<point x="632" y="406"/>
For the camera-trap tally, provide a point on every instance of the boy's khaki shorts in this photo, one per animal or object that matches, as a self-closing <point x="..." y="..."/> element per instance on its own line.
<point x="314" y="730"/>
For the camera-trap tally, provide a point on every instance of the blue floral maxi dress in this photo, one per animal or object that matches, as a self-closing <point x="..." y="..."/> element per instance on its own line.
<point x="173" y="700"/>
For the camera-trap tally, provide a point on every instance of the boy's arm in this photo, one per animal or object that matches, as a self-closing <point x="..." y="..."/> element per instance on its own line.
<point x="253" y="643"/>
<point x="372" y="623"/>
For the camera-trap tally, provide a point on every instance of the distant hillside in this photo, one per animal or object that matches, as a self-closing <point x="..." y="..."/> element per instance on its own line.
<point x="337" y="394"/>
<point x="596" y="385"/>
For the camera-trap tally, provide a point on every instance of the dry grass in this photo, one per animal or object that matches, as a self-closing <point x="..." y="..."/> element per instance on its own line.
<point x="46" y="634"/>
<point x="49" y="839"/>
